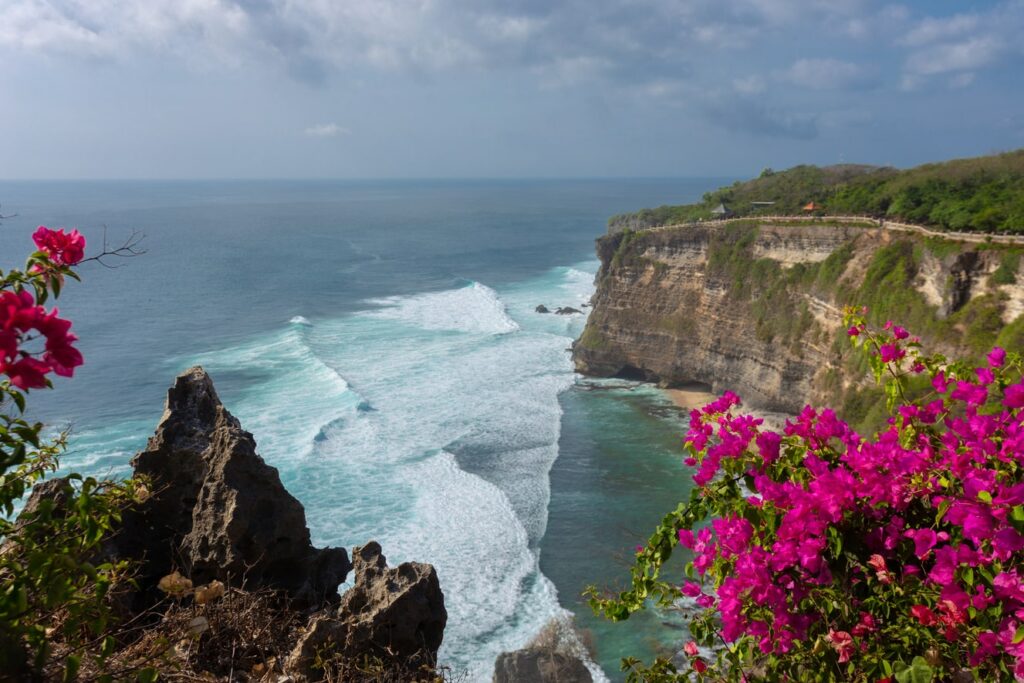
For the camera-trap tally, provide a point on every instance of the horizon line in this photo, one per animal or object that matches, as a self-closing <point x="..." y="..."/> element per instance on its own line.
<point x="363" y="180"/>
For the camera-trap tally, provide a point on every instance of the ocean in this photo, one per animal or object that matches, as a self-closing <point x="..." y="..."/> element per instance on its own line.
<point x="380" y="341"/>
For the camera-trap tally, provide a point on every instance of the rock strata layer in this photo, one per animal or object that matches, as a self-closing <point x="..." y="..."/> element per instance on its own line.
<point x="756" y="309"/>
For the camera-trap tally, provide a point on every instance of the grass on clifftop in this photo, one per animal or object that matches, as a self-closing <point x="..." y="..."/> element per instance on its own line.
<point x="984" y="194"/>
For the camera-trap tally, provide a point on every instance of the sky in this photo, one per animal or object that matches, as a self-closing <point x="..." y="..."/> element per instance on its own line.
<point x="489" y="88"/>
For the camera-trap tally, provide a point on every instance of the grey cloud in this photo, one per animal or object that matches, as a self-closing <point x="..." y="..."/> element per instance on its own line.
<point x="314" y="37"/>
<point x="753" y="116"/>
<point x="830" y="74"/>
<point x="962" y="44"/>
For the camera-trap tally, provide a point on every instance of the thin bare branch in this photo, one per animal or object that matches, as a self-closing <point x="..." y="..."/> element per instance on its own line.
<point x="129" y="249"/>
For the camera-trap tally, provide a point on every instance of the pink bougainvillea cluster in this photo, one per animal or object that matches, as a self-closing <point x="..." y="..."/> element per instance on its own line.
<point x="865" y="558"/>
<point x="34" y="341"/>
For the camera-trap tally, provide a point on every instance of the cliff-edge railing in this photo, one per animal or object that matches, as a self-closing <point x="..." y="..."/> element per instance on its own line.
<point x="866" y="221"/>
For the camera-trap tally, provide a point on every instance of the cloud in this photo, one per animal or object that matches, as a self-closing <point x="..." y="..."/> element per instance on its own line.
<point x="968" y="55"/>
<point x="312" y="39"/>
<point x="822" y="74"/>
<point x="960" y="45"/>
<point x="325" y="130"/>
<point x="743" y="114"/>
<point x="664" y="47"/>
<point x="931" y="30"/>
<point x="749" y="85"/>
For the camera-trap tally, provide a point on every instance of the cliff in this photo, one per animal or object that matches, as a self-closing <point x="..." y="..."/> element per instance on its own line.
<point x="757" y="307"/>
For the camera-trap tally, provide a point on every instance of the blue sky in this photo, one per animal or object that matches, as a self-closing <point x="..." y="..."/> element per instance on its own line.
<point x="482" y="88"/>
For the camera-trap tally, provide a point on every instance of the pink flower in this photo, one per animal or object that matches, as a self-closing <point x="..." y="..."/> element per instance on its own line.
<point x="985" y="376"/>
<point x="853" y="331"/>
<point x="768" y="446"/>
<point x="969" y="393"/>
<point x="686" y="538"/>
<point x="996" y="358"/>
<point x="690" y="649"/>
<point x="924" y="540"/>
<point x="899" y="332"/>
<point x="62" y="249"/>
<point x="877" y="562"/>
<point x="924" y="616"/>
<point x="891" y="353"/>
<point x="842" y="642"/>
<point x="1013" y="396"/>
<point x="27" y="373"/>
<point x="866" y="625"/>
<point x="19" y="314"/>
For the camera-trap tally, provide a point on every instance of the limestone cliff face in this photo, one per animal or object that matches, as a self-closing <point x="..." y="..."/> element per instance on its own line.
<point x="757" y="308"/>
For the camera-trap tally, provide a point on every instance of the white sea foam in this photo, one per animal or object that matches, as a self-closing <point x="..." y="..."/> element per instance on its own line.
<point x="286" y="394"/>
<point x="475" y="308"/>
<point x="429" y="424"/>
<point x="300" y="320"/>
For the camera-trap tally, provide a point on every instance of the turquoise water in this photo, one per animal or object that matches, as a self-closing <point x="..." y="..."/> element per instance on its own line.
<point x="380" y="342"/>
<point x="618" y="473"/>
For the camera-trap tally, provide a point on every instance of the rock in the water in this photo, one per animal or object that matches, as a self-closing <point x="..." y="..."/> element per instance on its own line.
<point x="542" y="309"/>
<point x="396" y="615"/>
<point x="217" y="510"/>
<point x="567" y="310"/>
<point x="540" y="665"/>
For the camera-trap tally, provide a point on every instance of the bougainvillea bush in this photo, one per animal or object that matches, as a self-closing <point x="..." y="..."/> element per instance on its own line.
<point x="822" y="554"/>
<point x="54" y="612"/>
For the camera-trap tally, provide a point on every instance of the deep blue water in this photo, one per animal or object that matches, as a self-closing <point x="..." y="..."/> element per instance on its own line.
<point x="379" y="340"/>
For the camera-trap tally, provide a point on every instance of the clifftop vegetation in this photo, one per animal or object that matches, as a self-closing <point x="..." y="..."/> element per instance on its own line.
<point x="983" y="194"/>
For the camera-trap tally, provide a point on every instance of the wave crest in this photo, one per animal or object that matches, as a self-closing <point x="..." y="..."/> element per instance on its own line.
<point x="476" y="309"/>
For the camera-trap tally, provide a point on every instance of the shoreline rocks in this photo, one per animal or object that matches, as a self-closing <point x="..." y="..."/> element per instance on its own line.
<point x="555" y="655"/>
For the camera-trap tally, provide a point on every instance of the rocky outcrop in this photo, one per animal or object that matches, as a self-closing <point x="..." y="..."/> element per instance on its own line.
<point x="396" y="614"/>
<point x="567" y="310"/>
<point x="757" y="308"/>
<point x="541" y="308"/>
<point x="226" y="547"/>
<point x="217" y="510"/>
<point x="536" y="665"/>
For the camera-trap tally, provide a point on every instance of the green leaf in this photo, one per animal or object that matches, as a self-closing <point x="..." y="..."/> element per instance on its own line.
<point x="984" y="496"/>
<point x="71" y="666"/>
<point x="1018" y="635"/>
<point x="917" y="672"/>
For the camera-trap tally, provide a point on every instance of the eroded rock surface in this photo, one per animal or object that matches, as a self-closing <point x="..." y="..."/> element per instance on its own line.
<point x="534" y="665"/>
<point x="395" y="614"/>
<point x="217" y="510"/>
